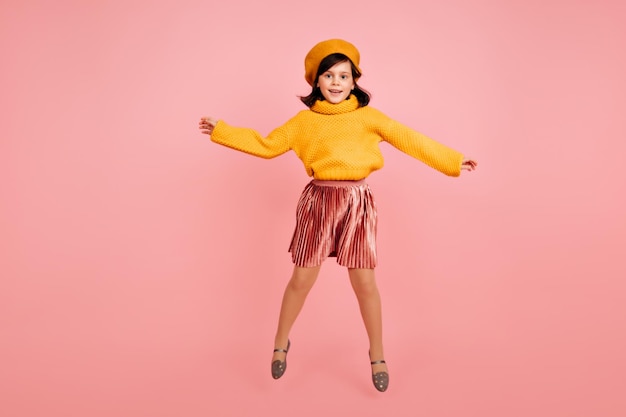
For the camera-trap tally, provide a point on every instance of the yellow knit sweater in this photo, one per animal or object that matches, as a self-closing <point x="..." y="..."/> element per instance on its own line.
<point x="340" y="141"/>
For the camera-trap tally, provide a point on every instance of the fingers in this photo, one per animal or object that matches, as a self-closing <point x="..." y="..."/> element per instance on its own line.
<point x="469" y="164"/>
<point x="207" y="122"/>
<point x="207" y="125"/>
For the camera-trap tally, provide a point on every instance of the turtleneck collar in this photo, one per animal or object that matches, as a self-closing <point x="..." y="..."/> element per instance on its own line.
<point x="324" y="107"/>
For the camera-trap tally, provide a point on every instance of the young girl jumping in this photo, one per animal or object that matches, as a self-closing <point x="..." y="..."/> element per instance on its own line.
<point x="337" y="140"/>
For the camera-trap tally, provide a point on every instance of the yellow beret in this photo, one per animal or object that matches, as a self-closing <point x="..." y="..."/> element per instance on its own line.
<point x="322" y="50"/>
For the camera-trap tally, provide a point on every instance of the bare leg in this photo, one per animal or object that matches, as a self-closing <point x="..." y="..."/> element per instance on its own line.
<point x="364" y="284"/>
<point x="297" y="289"/>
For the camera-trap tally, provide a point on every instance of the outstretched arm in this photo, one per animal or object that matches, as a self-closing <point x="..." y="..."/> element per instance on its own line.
<point x="246" y="140"/>
<point x="207" y="124"/>
<point x="468" y="164"/>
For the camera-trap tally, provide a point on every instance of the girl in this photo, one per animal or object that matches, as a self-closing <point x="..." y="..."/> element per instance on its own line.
<point x="337" y="140"/>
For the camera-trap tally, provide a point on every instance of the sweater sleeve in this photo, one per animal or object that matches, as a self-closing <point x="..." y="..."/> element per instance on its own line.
<point x="252" y="142"/>
<point x="423" y="148"/>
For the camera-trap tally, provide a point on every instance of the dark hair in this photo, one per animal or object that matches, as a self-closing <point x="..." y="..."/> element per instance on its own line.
<point x="363" y="96"/>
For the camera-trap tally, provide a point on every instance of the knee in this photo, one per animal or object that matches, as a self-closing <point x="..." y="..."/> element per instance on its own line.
<point x="302" y="280"/>
<point x="300" y="284"/>
<point x="365" y="287"/>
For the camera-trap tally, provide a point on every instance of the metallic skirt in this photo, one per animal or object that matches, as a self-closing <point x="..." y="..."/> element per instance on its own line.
<point x="335" y="219"/>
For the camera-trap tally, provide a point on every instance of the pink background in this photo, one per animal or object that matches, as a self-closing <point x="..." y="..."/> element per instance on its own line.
<point x="142" y="265"/>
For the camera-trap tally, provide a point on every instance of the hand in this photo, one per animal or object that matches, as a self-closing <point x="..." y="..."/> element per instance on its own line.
<point x="469" y="164"/>
<point x="207" y="124"/>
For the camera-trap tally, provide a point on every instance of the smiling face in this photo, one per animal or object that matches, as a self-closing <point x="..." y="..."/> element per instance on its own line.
<point x="337" y="83"/>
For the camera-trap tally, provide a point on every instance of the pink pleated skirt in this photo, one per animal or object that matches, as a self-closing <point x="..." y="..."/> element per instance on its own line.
<point x="335" y="219"/>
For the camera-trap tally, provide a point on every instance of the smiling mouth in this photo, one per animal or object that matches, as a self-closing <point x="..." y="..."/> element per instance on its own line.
<point x="336" y="91"/>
